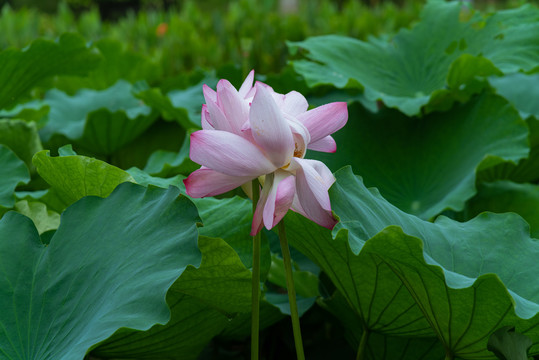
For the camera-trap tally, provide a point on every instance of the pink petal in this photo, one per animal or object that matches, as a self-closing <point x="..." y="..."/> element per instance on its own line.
<point x="207" y="182"/>
<point x="295" y="103"/>
<point x="209" y="94"/>
<point x="205" y="118"/>
<point x="325" y="175"/>
<point x="325" y="120"/>
<point x="296" y="206"/>
<point x="279" y="199"/>
<point x="218" y="118"/>
<point x="301" y="136"/>
<point x="275" y="201"/>
<point x="257" y="223"/>
<point x="228" y="153"/>
<point x="313" y="180"/>
<point x="264" y="85"/>
<point x="278" y="98"/>
<point x="326" y="144"/>
<point x="270" y="129"/>
<point x="235" y="109"/>
<point x="247" y="84"/>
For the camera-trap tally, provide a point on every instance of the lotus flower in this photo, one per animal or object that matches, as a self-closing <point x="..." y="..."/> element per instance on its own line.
<point x="255" y="132"/>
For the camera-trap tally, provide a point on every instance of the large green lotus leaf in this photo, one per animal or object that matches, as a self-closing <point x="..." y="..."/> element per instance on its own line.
<point x="14" y="172"/>
<point x="221" y="281"/>
<point x="21" y="137"/>
<point x="506" y="343"/>
<point x="199" y="300"/>
<point x="527" y="170"/>
<point x="191" y="327"/>
<point x="464" y="309"/>
<point x="72" y="177"/>
<point x="230" y="219"/>
<point x="100" y="120"/>
<point x="43" y="218"/>
<point x="426" y="165"/>
<point x="109" y="265"/>
<point x="422" y="64"/>
<point x="507" y="196"/>
<point x="379" y="346"/>
<point x="143" y="178"/>
<point x="450" y="271"/>
<point x="21" y="70"/>
<point x="118" y="63"/>
<point x="522" y="90"/>
<point x="372" y="289"/>
<point x="35" y="111"/>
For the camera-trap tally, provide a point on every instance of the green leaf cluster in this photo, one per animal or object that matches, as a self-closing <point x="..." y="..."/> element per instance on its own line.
<point x="103" y="255"/>
<point x="434" y="254"/>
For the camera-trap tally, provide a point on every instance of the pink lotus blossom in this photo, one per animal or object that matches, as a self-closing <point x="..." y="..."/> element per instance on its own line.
<point x="255" y="132"/>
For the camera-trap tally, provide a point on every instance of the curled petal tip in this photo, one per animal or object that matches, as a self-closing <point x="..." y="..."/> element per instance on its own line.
<point x="326" y="144"/>
<point x="325" y="120"/>
<point x="209" y="94"/>
<point x="224" y="84"/>
<point x="207" y="182"/>
<point x="247" y="84"/>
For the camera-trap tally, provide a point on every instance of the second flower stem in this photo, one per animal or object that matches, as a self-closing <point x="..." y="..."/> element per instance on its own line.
<point x="255" y="300"/>
<point x="291" y="291"/>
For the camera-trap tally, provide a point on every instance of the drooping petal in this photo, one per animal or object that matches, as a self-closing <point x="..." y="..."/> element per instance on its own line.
<point x="247" y="84"/>
<point x="234" y="107"/>
<point x="207" y="182"/>
<point x="313" y="180"/>
<point x="324" y="120"/>
<point x="279" y="199"/>
<point x="257" y="223"/>
<point x="228" y="153"/>
<point x="296" y="205"/>
<point x="295" y="103"/>
<point x="275" y="200"/>
<point x="205" y="118"/>
<point x="326" y="144"/>
<point x="326" y="176"/>
<point x="270" y="129"/>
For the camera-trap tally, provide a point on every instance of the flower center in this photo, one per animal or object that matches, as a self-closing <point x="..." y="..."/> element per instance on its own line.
<point x="298" y="152"/>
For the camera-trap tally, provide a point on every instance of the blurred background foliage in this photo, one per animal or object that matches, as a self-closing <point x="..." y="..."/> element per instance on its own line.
<point x="185" y="35"/>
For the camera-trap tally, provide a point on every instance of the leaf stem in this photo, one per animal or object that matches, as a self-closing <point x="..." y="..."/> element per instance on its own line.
<point x="255" y="283"/>
<point x="363" y="344"/>
<point x="291" y="291"/>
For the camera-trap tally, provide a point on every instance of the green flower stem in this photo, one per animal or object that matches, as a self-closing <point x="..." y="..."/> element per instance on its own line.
<point x="255" y="300"/>
<point x="361" y="353"/>
<point x="291" y="291"/>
